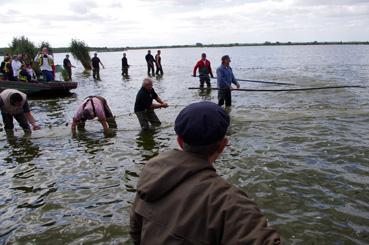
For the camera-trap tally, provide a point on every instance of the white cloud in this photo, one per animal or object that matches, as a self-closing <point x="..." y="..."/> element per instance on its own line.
<point x="157" y="22"/>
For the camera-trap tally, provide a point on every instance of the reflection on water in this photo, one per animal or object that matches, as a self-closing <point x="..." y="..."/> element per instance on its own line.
<point x="303" y="157"/>
<point x="146" y="140"/>
<point x="20" y="149"/>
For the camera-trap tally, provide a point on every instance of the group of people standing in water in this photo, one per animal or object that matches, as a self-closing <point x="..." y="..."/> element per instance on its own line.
<point x="97" y="106"/>
<point x="180" y="198"/>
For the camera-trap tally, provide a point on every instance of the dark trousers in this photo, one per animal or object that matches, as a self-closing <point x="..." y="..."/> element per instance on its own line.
<point x="69" y="72"/>
<point x="96" y="73"/>
<point x="203" y="79"/>
<point x="21" y="119"/>
<point x="159" y="69"/>
<point x="125" y="71"/>
<point x="224" y="95"/>
<point x="48" y="75"/>
<point x="150" y="67"/>
<point x="144" y="117"/>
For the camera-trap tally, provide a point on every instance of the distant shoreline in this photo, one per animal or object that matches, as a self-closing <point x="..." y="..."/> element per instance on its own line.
<point x="200" y="45"/>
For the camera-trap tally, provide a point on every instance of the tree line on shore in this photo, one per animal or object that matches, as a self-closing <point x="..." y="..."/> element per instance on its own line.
<point x="23" y="46"/>
<point x="80" y="50"/>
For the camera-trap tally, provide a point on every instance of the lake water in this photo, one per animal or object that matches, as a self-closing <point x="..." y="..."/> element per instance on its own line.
<point x="302" y="156"/>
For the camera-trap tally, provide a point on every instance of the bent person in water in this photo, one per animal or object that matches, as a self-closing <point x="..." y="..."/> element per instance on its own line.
<point x="182" y="200"/>
<point x="144" y="108"/>
<point x="91" y="107"/>
<point x="14" y="104"/>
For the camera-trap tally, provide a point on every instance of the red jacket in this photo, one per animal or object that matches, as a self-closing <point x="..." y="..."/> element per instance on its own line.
<point x="204" y="68"/>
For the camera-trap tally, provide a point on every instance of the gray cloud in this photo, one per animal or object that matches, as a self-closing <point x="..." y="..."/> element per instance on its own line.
<point x="82" y="7"/>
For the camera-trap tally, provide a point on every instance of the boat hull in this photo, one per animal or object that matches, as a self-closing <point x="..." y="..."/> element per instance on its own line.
<point x="40" y="88"/>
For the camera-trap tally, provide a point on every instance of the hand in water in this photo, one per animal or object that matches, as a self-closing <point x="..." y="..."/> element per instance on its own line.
<point x="36" y="127"/>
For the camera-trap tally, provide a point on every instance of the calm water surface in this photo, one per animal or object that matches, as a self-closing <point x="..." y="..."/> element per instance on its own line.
<point x="302" y="156"/>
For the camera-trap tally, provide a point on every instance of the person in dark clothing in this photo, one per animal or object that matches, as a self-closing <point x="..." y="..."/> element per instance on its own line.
<point x="225" y="78"/>
<point x="150" y="63"/>
<point x="68" y="67"/>
<point x="144" y="108"/>
<point x="125" y="65"/>
<point x="95" y="63"/>
<point x="13" y="104"/>
<point x="2" y="67"/>
<point x="159" y="68"/>
<point x="8" y="70"/>
<point x="204" y="70"/>
<point x="23" y="74"/>
<point x="182" y="200"/>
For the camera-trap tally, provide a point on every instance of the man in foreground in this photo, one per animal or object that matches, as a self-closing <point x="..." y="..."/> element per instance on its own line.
<point x="46" y="62"/>
<point x="14" y="104"/>
<point x="182" y="200"/>
<point x="91" y="107"/>
<point x="144" y="108"/>
<point x="204" y="70"/>
<point x="95" y="63"/>
<point x="225" y="78"/>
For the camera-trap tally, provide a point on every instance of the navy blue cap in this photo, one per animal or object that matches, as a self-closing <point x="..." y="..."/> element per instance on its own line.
<point x="202" y="123"/>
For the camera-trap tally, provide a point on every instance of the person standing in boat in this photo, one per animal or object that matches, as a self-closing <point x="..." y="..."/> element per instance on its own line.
<point x="159" y="68"/>
<point x="16" y="65"/>
<point x="95" y="63"/>
<point x="46" y="63"/>
<point x="204" y="70"/>
<point x="125" y="65"/>
<point x="14" y="104"/>
<point x="144" y="108"/>
<point x="91" y="107"/>
<point x="225" y="78"/>
<point x="68" y="67"/>
<point x="150" y="63"/>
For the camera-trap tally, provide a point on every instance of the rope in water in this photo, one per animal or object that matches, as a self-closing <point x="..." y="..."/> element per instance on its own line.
<point x="286" y="90"/>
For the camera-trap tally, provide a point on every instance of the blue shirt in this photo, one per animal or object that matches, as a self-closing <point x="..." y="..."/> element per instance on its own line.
<point x="225" y="77"/>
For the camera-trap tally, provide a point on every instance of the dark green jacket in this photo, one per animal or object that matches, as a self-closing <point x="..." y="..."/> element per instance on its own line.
<point x="182" y="200"/>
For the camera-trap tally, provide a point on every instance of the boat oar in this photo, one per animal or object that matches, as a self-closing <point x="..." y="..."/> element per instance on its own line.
<point x="286" y="90"/>
<point x="258" y="81"/>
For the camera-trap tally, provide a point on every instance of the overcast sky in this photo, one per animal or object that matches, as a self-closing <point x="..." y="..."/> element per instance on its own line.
<point x="114" y="23"/>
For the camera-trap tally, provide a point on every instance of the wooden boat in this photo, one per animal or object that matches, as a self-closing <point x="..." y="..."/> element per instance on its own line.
<point x="54" y="88"/>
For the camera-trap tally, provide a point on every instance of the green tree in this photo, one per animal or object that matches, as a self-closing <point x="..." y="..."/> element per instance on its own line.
<point x="23" y="46"/>
<point x="80" y="51"/>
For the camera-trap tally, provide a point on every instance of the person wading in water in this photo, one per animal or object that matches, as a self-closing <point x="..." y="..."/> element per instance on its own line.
<point x="204" y="70"/>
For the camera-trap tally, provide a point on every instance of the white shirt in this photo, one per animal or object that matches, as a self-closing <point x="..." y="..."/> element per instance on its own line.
<point x="45" y="63"/>
<point x="16" y="65"/>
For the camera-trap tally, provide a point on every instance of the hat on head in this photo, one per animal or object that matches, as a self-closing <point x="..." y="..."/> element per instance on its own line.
<point x="225" y="57"/>
<point x="202" y="123"/>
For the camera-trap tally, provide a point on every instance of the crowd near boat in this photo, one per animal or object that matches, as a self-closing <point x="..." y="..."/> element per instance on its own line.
<point x="180" y="198"/>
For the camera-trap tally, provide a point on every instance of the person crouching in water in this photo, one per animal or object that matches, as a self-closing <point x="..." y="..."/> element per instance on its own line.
<point x="91" y="107"/>
<point x="13" y="104"/>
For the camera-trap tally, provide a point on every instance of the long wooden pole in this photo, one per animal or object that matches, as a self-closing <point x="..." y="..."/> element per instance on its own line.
<point x="285" y="90"/>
